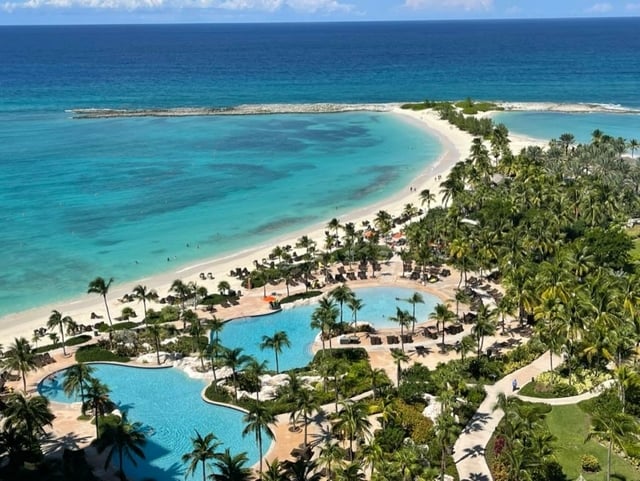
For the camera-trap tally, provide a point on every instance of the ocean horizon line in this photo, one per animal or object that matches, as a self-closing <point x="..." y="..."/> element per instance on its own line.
<point x="335" y="22"/>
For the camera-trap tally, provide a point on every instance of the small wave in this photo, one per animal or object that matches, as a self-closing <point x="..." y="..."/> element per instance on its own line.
<point x="258" y="109"/>
<point x="569" y="107"/>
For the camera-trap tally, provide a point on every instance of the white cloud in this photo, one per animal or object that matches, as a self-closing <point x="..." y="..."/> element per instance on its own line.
<point x="600" y="8"/>
<point x="306" y="6"/>
<point x="464" y="4"/>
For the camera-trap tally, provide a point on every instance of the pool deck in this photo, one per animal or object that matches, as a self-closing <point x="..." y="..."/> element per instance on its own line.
<point x="68" y="431"/>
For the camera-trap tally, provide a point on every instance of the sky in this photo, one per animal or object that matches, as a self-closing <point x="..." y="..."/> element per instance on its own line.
<point x="37" y="12"/>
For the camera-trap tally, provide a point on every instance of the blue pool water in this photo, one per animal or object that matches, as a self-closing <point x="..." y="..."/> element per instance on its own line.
<point x="379" y="304"/>
<point x="551" y="125"/>
<point x="167" y="402"/>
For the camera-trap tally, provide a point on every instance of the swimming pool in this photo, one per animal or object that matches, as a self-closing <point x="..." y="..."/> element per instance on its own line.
<point x="379" y="304"/>
<point x="168" y="402"/>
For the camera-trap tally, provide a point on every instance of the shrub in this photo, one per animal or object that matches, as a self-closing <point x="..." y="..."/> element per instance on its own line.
<point x="97" y="354"/>
<point x="390" y="438"/>
<point x="118" y="326"/>
<point x="348" y="354"/>
<point x="300" y="295"/>
<point x="73" y="341"/>
<point x="127" y="312"/>
<point x="218" y="394"/>
<point x="590" y="463"/>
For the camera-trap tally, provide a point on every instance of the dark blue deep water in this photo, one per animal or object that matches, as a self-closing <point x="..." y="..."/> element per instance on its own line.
<point x="62" y="67"/>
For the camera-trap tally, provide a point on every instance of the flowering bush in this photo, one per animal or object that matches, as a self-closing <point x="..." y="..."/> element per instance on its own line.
<point x="581" y="381"/>
<point x="590" y="463"/>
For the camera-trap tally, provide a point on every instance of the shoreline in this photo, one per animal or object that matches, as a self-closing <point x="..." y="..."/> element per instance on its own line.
<point x="454" y="145"/>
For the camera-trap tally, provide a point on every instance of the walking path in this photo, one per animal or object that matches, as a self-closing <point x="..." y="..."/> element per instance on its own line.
<point x="469" y="449"/>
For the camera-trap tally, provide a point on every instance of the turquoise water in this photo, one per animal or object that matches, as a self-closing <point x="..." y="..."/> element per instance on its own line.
<point x="551" y="125"/>
<point x="118" y="197"/>
<point x="168" y="403"/>
<point x="379" y="304"/>
<point x="87" y="198"/>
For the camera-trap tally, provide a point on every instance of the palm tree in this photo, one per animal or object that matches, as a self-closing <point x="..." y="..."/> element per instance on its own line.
<point x="157" y="331"/>
<point x="101" y="287"/>
<point x="204" y="450"/>
<point x="399" y="356"/>
<point x="253" y="370"/>
<point x="124" y="439"/>
<point x="342" y="294"/>
<point x="626" y="378"/>
<point x="335" y="225"/>
<point x="447" y="431"/>
<point x="215" y="326"/>
<point x="98" y="400"/>
<point x="276" y="342"/>
<point x="332" y="456"/>
<point x="633" y="145"/>
<point x="234" y="359"/>
<point x="484" y="326"/>
<point x="258" y="420"/>
<point x="182" y="292"/>
<point x="223" y="288"/>
<point x="426" y="197"/>
<point x="301" y="469"/>
<point x="56" y="321"/>
<point x="306" y="403"/>
<point x="324" y="318"/>
<point x="372" y="455"/>
<point x="466" y="344"/>
<point x="567" y="140"/>
<point x="144" y="294"/>
<point x="461" y="297"/>
<point x="617" y="428"/>
<point x="403" y="318"/>
<point x="383" y="221"/>
<point x="505" y="307"/>
<point x="460" y="251"/>
<point x="76" y="379"/>
<point x="416" y="298"/>
<point x="355" y="304"/>
<point x="442" y="314"/>
<point x="19" y="357"/>
<point x="28" y="415"/>
<point x="352" y="422"/>
<point x="231" y="468"/>
<point x="274" y="471"/>
<point x="214" y="350"/>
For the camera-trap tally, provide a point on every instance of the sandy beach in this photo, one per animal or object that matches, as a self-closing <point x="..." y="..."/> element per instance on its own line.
<point x="455" y="145"/>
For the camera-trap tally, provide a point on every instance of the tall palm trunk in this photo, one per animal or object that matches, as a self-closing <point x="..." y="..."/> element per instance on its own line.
<point x="106" y="306"/>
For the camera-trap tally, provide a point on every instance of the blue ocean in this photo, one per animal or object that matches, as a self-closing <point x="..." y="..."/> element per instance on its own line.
<point x="117" y="197"/>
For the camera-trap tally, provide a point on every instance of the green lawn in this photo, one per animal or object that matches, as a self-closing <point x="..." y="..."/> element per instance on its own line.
<point x="570" y="425"/>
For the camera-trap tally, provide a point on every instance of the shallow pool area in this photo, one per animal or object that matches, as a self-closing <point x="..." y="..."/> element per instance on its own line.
<point x="379" y="305"/>
<point x="168" y="403"/>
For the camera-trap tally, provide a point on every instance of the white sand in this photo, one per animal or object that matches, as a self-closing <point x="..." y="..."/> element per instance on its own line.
<point x="455" y="146"/>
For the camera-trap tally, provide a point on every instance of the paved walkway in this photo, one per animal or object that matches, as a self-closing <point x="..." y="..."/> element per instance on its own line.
<point x="469" y="449"/>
